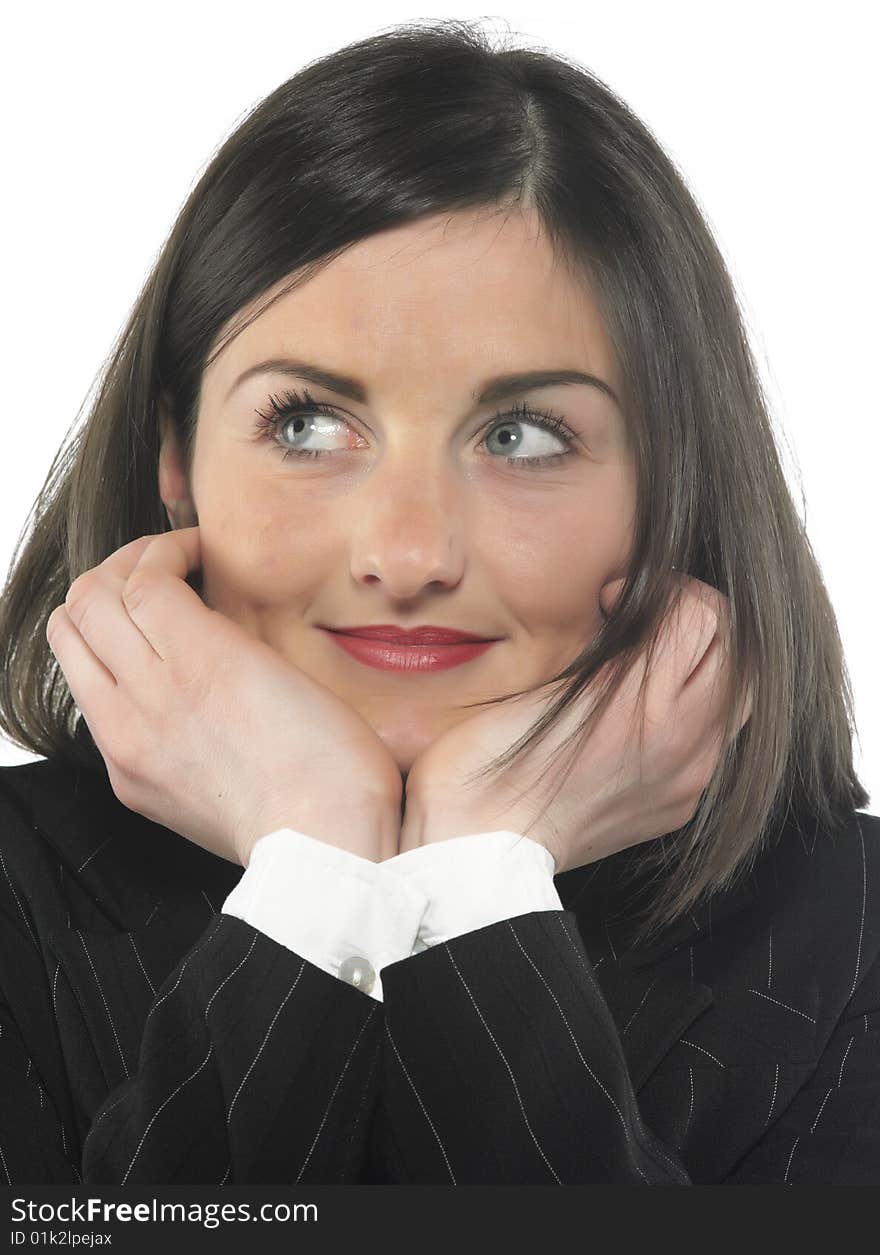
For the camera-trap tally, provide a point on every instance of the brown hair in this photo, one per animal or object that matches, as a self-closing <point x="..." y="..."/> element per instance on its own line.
<point x="426" y="118"/>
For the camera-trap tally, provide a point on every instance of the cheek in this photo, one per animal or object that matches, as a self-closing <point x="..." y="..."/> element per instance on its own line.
<point x="552" y="559"/>
<point x="259" y="547"/>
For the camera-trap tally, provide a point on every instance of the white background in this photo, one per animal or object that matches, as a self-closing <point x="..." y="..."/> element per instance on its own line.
<point x="770" y="111"/>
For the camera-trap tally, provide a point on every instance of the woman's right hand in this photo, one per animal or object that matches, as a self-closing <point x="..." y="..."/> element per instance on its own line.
<point x="207" y="730"/>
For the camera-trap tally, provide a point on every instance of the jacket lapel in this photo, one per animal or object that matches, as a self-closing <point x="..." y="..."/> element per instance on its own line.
<point x="653" y="1011"/>
<point x="652" y="1000"/>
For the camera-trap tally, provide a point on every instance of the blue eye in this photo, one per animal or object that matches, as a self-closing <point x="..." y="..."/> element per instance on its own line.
<point x="281" y="411"/>
<point x="294" y="407"/>
<point x="522" y="415"/>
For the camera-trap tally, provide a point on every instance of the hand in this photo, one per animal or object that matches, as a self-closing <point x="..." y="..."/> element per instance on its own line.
<point x="207" y="730"/>
<point x="617" y="793"/>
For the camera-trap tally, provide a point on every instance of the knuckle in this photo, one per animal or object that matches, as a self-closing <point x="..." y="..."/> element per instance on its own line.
<point x="82" y="614"/>
<point x="79" y="591"/>
<point x="52" y="623"/>
<point x="134" y="590"/>
<point x="189" y="674"/>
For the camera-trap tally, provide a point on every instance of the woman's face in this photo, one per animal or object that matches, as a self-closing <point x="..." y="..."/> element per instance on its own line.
<point x="412" y="515"/>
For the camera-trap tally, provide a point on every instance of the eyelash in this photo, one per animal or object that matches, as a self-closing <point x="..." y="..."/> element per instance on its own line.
<point x="292" y="403"/>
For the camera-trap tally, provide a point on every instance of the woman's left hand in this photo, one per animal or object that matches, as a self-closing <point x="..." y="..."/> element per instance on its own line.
<point x="617" y="793"/>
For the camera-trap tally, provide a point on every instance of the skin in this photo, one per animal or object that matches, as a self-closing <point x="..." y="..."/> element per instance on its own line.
<point x="415" y="517"/>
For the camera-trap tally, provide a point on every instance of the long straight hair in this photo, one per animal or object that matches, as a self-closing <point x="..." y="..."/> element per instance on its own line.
<point x="429" y="118"/>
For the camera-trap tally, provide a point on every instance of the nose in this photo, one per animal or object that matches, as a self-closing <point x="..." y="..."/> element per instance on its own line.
<point x="407" y="533"/>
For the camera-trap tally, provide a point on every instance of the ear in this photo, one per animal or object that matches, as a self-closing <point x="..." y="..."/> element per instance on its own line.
<point x="173" y="486"/>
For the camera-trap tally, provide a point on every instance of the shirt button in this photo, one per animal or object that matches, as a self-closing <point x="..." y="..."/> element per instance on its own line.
<point x="358" y="971"/>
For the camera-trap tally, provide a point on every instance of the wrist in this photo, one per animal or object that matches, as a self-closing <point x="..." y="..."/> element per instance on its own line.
<point x="368" y="826"/>
<point x="428" y="819"/>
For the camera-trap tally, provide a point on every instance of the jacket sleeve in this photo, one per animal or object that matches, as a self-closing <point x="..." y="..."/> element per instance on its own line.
<point x="502" y="1064"/>
<point x="254" y="1066"/>
<point x="257" y="1062"/>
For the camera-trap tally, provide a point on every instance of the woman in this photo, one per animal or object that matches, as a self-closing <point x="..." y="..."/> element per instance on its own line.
<point x="439" y="341"/>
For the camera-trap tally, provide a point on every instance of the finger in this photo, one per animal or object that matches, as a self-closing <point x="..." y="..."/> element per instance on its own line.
<point x="744" y="711"/>
<point x="609" y="595"/>
<point x="709" y="682"/>
<point x="702" y="701"/>
<point x="687" y="630"/>
<point x="690" y="628"/>
<point x="91" y="684"/>
<point x="686" y="633"/>
<point x="95" y="609"/>
<point x="157" y="598"/>
<point x="123" y="561"/>
<point x="164" y="548"/>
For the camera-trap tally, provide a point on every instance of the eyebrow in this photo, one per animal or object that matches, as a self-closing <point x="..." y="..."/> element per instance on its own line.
<point x="496" y="389"/>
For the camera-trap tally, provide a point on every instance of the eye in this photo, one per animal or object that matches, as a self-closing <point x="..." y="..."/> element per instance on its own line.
<point x="524" y="416"/>
<point x="299" y="414"/>
<point x="294" y="413"/>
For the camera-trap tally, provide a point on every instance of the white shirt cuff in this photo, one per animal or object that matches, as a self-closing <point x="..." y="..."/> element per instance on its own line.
<point x="477" y="880"/>
<point x="327" y="904"/>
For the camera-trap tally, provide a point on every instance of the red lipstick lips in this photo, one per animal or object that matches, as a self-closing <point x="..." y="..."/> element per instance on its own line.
<point x="390" y="648"/>
<point x="428" y="635"/>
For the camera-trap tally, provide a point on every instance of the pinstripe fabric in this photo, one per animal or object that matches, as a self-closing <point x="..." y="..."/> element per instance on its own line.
<point x="146" y="1038"/>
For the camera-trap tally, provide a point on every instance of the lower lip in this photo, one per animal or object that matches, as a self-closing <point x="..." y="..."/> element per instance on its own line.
<point x="385" y="656"/>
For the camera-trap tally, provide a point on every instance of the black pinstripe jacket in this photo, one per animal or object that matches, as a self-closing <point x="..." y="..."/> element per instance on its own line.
<point x="145" y="1037"/>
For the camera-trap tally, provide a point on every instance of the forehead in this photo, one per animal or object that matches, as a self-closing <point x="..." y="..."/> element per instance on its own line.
<point x="474" y="292"/>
